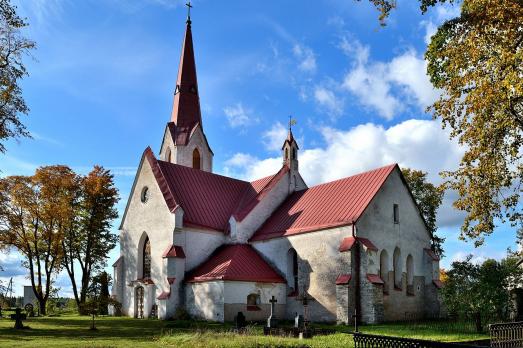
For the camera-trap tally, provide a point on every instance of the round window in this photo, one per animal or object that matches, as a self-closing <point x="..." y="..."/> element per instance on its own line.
<point x="145" y="194"/>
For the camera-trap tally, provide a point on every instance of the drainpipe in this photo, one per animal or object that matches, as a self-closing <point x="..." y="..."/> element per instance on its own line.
<point x="357" y="268"/>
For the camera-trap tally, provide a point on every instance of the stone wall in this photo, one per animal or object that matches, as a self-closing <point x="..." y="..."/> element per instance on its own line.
<point x="153" y="220"/>
<point x="205" y="300"/>
<point x="319" y="264"/>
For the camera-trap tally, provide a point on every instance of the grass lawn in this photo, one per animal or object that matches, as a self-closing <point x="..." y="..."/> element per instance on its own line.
<point x="73" y="331"/>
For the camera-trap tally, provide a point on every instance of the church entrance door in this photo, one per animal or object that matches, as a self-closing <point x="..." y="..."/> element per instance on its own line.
<point x="138" y="302"/>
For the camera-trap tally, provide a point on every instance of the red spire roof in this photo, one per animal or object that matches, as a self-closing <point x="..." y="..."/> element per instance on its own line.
<point x="238" y="262"/>
<point x="337" y="203"/>
<point x="186" y="112"/>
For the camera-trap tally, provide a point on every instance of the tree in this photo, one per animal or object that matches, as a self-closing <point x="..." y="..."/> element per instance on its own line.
<point x="13" y="47"/>
<point x="385" y="7"/>
<point x="476" y="60"/>
<point x="480" y="290"/>
<point x="88" y="241"/>
<point x="34" y="212"/>
<point x="428" y="198"/>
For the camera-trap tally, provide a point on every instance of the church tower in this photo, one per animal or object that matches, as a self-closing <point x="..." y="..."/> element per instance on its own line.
<point x="184" y="141"/>
<point x="290" y="152"/>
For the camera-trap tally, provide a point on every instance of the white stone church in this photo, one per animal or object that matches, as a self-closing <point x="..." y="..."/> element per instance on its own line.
<point x="215" y="246"/>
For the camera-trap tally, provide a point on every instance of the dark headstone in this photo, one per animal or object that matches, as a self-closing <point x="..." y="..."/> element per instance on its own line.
<point x="18" y="317"/>
<point x="239" y="321"/>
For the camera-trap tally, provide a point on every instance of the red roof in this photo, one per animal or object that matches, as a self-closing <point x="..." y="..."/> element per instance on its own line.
<point x="343" y="279"/>
<point x="207" y="199"/>
<point x="174" y="251"/>
<point x="375" y="279"/>
<point x="337" y="203"/>
<point x="164" y="295"/>
<point x="238" y="262"/>
<point x="186" y="112"/>
<point x="257" y="192"/>
<point x="348" y="243"/>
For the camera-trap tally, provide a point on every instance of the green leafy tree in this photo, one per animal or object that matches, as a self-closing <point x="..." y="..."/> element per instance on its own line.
<point x="428" y="198"/>
<point x="13" y="47"/>
<point x="476" y="60"/>
<point x="88" y="241"/>
<point x="480" y="290"/>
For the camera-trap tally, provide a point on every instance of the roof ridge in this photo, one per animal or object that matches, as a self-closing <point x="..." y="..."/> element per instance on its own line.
<point x="350" y="176"/>
<point x="239" y="212"/>
<point x="203" y="172"/>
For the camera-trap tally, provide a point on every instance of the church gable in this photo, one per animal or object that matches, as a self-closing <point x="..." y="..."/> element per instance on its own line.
<point x="148" y="186"/>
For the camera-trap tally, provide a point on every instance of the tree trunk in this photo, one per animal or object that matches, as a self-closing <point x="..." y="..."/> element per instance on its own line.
<point x="42" y="303"/>
<point x="479" y="326"/>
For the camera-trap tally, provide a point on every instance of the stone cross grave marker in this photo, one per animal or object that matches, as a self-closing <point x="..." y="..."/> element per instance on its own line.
<point x="272" y="322"/>
<point x="18" y="317"/>
<point x="298" y="321"/>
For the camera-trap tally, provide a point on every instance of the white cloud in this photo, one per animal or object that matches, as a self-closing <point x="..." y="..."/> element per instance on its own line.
<point x="306" y="57"/>
<point x="413" y="143"/>
<point x="238" y="116"/>
<point x="273" y="138"/>
<point x="387" y="87"/>
<point x="442" y="14"/>
<point x="328" y="100"/>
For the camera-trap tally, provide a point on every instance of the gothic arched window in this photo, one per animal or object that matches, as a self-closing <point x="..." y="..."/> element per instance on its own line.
<point x="384" y="270"/>
<point x="168" y="155"/>
<point x="292" y="267"/>
<point x="196" y="159"/>
<point x="293" y="153"/>
<point x="146" y="274"/>
<point x="396" y="264"/>
<point x="286" y="154"/>
<point x="410" y="275"/>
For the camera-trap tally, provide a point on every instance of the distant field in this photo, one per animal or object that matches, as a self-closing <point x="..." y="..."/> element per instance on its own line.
<point x="73" y="331"/>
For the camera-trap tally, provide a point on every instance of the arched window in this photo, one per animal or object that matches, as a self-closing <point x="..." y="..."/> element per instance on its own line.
<point x="397" y="268"/>
<point x="196" y="159"/>
<point x="253" y="300"/>
<point x="286" y="153"/>
<point x="384" y="270"/>
<point x="168" y="155"/>
<point x="293" y="153"/>
<point x="410" y="275"/>
<point x="292" y="270"/>
<point x="146" y="261"/>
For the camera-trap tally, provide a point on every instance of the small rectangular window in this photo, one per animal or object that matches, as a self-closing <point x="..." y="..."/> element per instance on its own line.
<point x="396" y="214"/>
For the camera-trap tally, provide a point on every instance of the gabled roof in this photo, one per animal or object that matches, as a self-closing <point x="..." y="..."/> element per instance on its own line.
<point x="253" y="195"/>
<point x="337" y="203"/>
<point x="237" y="262"/>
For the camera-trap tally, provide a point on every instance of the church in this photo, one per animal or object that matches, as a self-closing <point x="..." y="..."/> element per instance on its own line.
<point x="212" y="246"/>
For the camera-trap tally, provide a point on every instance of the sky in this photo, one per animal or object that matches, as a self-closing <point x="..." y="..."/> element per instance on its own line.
<point x="102" y="80"/>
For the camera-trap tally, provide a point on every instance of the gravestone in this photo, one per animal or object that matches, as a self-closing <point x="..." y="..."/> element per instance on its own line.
<point x="239" y="321"/>
<point x="271" y="321"/>
<point x="18" y="317"/>
<point x="299" y="322"/>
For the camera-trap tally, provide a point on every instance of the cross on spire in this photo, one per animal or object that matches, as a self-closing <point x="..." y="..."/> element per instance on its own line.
<point x="292" y="122"/>
<point x="189" y="6"/>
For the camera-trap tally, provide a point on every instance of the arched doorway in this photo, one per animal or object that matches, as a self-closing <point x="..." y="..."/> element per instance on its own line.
<point x="138" y="302"/>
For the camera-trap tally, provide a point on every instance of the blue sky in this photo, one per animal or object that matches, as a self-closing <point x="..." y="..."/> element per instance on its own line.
<point x="101" y="83"/>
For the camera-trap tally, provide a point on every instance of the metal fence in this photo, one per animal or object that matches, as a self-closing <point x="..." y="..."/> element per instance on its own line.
<point x="375" y="341"/>
<point x="506" y="335"/>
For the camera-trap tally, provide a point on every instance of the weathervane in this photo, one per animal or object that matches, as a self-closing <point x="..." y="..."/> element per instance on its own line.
<point x="189" y="6"/>
<point x="292" y="122"/>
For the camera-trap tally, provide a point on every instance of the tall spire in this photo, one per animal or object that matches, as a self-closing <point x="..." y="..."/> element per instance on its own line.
<point x="186" y="111"/>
